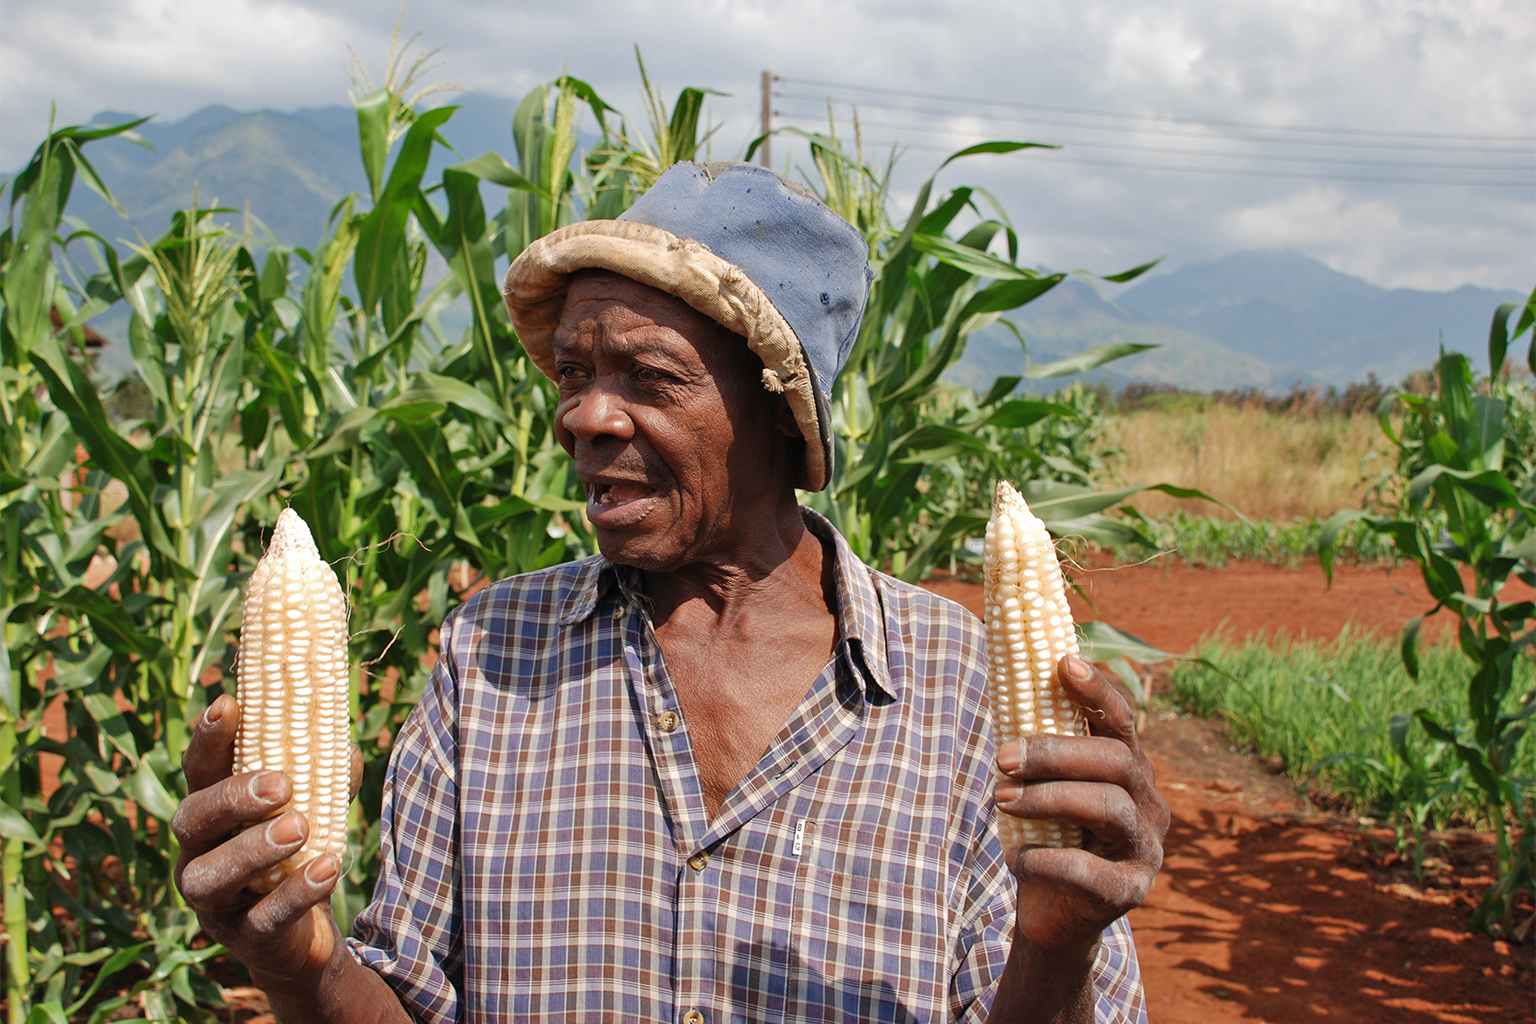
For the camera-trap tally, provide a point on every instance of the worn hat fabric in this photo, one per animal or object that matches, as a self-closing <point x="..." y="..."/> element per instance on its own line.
<point x="756" y="253"/>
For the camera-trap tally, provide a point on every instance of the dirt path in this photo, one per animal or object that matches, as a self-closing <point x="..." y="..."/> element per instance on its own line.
<point x="1267" y="910"/>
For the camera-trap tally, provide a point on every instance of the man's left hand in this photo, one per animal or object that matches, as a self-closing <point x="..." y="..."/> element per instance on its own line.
<point x="1101" y="782"/>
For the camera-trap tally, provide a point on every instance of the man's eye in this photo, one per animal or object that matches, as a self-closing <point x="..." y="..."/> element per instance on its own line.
<point x="646" y="375"/>
<point x="568" y="372"/>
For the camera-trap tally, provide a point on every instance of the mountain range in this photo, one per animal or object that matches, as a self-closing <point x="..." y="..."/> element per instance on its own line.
<point x="1256" y="319"/>
<point x="1262" y="319"/>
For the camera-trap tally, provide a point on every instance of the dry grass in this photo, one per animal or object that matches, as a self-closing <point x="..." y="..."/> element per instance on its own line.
<point x="1269" y="465"/>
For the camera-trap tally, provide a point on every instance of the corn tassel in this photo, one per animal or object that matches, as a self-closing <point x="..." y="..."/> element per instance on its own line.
<point x="293" y="688"/>
<point x="1029" y="630"/>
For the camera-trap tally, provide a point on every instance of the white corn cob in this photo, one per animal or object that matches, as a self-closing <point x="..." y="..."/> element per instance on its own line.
<point x="294" y="688"/>
<point x="1029" y="631"/>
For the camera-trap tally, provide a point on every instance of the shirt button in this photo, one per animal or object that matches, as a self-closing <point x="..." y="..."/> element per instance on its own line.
<point x="668" y="722"/>
<point x="693" y="1017"/>
<point x="698" y="862"/>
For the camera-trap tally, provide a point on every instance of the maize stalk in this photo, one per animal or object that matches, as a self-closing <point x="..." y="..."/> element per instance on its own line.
<point x="294" y="687"/>
<point x="1029" y="630"/>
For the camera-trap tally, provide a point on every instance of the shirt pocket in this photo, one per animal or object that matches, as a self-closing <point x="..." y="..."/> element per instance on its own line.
<point x="869" y="927"/>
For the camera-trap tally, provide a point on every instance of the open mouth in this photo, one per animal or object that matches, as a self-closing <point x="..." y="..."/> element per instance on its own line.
<point x="618" y="504"/>
<point x="612" y="495"/>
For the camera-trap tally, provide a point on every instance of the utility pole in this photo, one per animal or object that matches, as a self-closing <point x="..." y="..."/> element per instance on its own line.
<point x="767" y="115"/>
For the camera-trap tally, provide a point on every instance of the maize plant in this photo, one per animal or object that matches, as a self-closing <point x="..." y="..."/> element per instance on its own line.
<point x="1462" y="512"/>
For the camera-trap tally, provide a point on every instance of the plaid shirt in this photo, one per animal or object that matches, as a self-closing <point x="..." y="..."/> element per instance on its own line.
<point x="545" y="852"/>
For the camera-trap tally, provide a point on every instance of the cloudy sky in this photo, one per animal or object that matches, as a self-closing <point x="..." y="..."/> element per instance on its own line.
<point x="1191" y="127"/>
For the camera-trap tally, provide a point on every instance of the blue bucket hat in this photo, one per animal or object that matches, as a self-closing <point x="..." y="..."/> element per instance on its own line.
<point x="754" y="252"/>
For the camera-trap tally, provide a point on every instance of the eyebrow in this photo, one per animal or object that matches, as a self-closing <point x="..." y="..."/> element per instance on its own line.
<point x="625" y="346"/>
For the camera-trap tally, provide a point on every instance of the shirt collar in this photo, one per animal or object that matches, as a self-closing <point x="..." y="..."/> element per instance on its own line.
<point x="860" y="610"/>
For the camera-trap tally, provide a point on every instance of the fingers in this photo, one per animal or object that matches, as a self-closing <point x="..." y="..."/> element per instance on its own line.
<point x="1105" y="810"/>
<point x="1087" y="758"/>
<point x="355" y="769"/>
<point x="1107" y="711"/>
<point x="217" y="879"/>
<point x="212" y="814"/>
<point x="1112" y="886"/>
<point x="210" y="754"/>
<point x="282" y="908"/>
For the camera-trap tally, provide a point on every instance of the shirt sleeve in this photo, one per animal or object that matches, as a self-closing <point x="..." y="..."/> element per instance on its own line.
<point x="410" y="933"/>
<point x="981" y="953"/>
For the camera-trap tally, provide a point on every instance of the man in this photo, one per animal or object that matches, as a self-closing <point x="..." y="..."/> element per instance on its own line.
<point x="724" y="771"/>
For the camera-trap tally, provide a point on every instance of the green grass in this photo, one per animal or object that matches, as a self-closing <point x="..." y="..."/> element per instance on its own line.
<point x="1200" y="540"/>
<point x="1327" y="710"/>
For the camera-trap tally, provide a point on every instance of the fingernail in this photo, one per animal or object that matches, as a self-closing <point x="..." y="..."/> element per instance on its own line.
<point x="1077" y="668"/>
<point x="1011" y="757"/>
<point x="322" y="869"/>
<point x="286" y="829"/>
<point x="1006" y="792"/>
<point x="214" y="713"/>
<point x="269" y="786"/>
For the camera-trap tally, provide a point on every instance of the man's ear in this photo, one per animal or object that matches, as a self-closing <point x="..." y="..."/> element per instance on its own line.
<point x="786" y="419"/>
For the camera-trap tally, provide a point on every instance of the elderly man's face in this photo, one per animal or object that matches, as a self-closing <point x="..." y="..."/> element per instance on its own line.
<point x="683" y="453"/>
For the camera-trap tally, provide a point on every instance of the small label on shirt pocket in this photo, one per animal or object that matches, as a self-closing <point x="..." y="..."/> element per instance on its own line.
<point x="870" y="925"/>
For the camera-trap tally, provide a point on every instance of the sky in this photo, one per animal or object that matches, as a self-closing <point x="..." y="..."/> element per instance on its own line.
<point x="1346" y="129"/>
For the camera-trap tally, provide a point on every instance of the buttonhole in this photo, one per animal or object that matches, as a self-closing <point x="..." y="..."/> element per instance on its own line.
<point x="787" y="768"/>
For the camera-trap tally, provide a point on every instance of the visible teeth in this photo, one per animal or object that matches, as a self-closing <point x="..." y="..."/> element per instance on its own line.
<point x="606" y="499"/>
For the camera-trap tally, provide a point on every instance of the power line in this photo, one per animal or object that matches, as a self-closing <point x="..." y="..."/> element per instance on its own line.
<point x="1122" y="129"/>
<point x="1315" y="129"/>
<point x="1208" y="153"/>
<point x="1127" y="165"/>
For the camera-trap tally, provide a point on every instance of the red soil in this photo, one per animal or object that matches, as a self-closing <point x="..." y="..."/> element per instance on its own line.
<point x="1265" y="909"/>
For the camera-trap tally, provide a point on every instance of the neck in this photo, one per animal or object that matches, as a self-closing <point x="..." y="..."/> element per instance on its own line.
<point x="785" y="569"/>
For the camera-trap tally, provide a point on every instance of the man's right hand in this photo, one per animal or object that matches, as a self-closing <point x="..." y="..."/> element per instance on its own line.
<point x="227" y="841"/>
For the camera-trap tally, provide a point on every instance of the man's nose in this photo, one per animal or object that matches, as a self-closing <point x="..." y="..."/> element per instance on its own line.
<point x="596" y="413"/>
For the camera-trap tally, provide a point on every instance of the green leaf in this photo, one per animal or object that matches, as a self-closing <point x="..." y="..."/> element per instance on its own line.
<point x="118" y="960"/>
<point x="1020" y="413"/>
<point x="1085" y="361"/>
<point x="144" y="787"/>
<point x="47" y="1013"/>
<point x="14" y="826"/>
<point x="1488" y="486"/>
<point x="1133" y="273"/>
<point x="10" y="699"/>
<point x="1102" y="642"/>
<point x="491" y="167"/>
<point x="373" y="137"/>
<point x="996" y="147"/>
<point x="113" y="725"/>
<point x="972" y="261"/>
<point x="381" y="237"/>
<point x="1132" y="679"/>
<point x="440" y="390"/>
<point x="1005" y="295"/>
<point x="1329" y="535"/>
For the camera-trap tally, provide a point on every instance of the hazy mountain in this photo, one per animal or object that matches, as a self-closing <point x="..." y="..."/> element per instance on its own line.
<point x="291" y="169"/>
<point x="1300" y="316"/>
<point x="1072" y="317"/>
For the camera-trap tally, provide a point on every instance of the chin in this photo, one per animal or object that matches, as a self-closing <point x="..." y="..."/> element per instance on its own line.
<point x="648" y="554"/>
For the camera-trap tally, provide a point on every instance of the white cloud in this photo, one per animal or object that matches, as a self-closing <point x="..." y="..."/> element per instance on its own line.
<point x="1374" y="239"/>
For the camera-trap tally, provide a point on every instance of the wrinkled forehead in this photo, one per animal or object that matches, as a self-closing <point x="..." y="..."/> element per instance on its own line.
<point x="610" y="300"/>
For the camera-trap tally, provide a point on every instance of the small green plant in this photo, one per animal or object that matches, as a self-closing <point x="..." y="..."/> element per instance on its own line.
<point x="1204" y="540"/>
<point x="1332" y="712"/>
